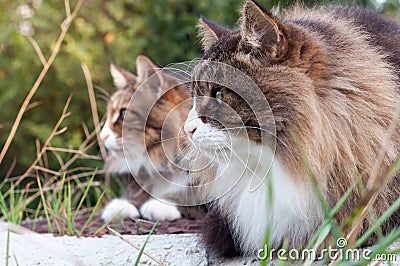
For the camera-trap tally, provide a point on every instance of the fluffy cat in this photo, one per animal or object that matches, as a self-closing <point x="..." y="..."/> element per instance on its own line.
<point x="331" y="78"/>
<point x="129" y="128"/>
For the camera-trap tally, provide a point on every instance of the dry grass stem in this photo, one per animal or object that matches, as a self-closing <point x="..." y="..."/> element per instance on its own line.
<point x="37" y="50"/>
<point x="56" y="131"/>
<point x="33" y="105"/>
<point x="67" y="8"/>
<point x="46" y="67"/>
<point x="135" y="246"/>
<point x="40" y="164"/>
<point x="11" y="168"/>
<point x="96" y="120"/>
<point x="79" y="152"/>
<point x="93" y="107"/>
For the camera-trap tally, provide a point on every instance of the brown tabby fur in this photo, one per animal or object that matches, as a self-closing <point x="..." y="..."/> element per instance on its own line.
<point x="331" y="77"/>
<point x="171" y="106"/>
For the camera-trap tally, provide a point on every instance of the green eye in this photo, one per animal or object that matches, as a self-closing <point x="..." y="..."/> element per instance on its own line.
<point x="219" y="95"/>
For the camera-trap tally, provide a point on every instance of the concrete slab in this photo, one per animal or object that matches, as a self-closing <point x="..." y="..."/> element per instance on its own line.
<point x="28" y="248"/>
<point x="35" y="249"/>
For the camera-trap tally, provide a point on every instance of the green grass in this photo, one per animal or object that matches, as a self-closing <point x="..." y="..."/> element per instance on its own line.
<point x="144" y="244"/>
<point x="60" y="203"/>
<point x="44" y="203"/>
<point x="12" y="209"/>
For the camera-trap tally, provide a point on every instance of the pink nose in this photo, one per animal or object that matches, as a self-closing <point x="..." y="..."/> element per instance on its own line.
<point x="190" y="128"/>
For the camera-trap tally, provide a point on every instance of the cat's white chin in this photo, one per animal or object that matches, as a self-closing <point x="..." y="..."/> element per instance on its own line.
<point x="241" y="187"/>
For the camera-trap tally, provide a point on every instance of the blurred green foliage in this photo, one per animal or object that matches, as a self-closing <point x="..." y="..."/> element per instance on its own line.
<point x="103" y="32"/>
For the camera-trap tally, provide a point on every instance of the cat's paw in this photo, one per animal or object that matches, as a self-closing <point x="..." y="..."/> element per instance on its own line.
<point x="120" y="209"/>
<point x="157" y="210"/>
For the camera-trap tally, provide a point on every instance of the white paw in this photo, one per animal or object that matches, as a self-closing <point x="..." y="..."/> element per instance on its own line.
<point x="157" y="210"/>
<point x="120" y="209"/>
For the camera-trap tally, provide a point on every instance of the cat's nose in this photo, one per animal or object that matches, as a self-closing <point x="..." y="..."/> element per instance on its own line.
<point x="190" y="128"/>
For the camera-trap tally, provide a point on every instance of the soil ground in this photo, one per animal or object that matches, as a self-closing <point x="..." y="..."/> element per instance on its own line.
<point x="127" y="227"/>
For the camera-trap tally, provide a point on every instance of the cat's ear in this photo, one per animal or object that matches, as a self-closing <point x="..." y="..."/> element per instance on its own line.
<point x="210" y="32"/>
<point x="167" y="79"/>
<point x="121" y="77"/>
<point x="145" y="67"/>
<point x="148" y="72"/>
<point x="168" y="83"/>
<point x="263" y="30"/>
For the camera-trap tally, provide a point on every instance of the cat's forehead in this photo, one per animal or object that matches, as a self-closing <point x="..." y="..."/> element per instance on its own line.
<point x="232" y="50"/>
<point x="120" y="97"/>
<point x="223" y="49"/>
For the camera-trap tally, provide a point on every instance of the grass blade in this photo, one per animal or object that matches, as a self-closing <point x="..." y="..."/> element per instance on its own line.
<point x="36" y="215"/>
<point x="3" y="207"/>
<point x="267" y="237"/>
<point x="145" y="243"/>
<point x="85" y="194"/>
<point x="46" y="213"/>
<point x="12" y="204"/>
<point x="395" y="206"/>
<point x="15" y="259"/>
<point x="136" y="246"/>
<point x="91" y="215"/>
<point x="69" y="209"/>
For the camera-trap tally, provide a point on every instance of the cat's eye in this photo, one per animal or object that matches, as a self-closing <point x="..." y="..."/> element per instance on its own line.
<point x="219" y="95"/>
<point x="122" y="114"/>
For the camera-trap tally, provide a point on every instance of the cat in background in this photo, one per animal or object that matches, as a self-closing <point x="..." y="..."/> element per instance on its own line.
<point x="331" y="78"/>
<point x="151" y="158"/>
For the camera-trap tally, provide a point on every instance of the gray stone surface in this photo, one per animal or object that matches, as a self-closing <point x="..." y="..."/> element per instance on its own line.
<point x="34" y="249"/>
<point x="27" y="248"/>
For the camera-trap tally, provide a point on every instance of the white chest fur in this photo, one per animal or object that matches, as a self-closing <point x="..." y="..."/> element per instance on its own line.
<point x="288" y="208"/>
<point x="253" y="190"/>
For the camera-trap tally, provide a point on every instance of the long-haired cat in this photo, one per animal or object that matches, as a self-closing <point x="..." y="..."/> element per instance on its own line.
<point x="134" y="144"/>
<point x="330" y="77"/>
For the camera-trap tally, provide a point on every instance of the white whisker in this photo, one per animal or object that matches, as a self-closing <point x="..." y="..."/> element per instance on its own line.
<point x="156" y="142"/>
<point x="179" y="74"/>
<point x="223" y="153"/>
<point x="258" y="128"/>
